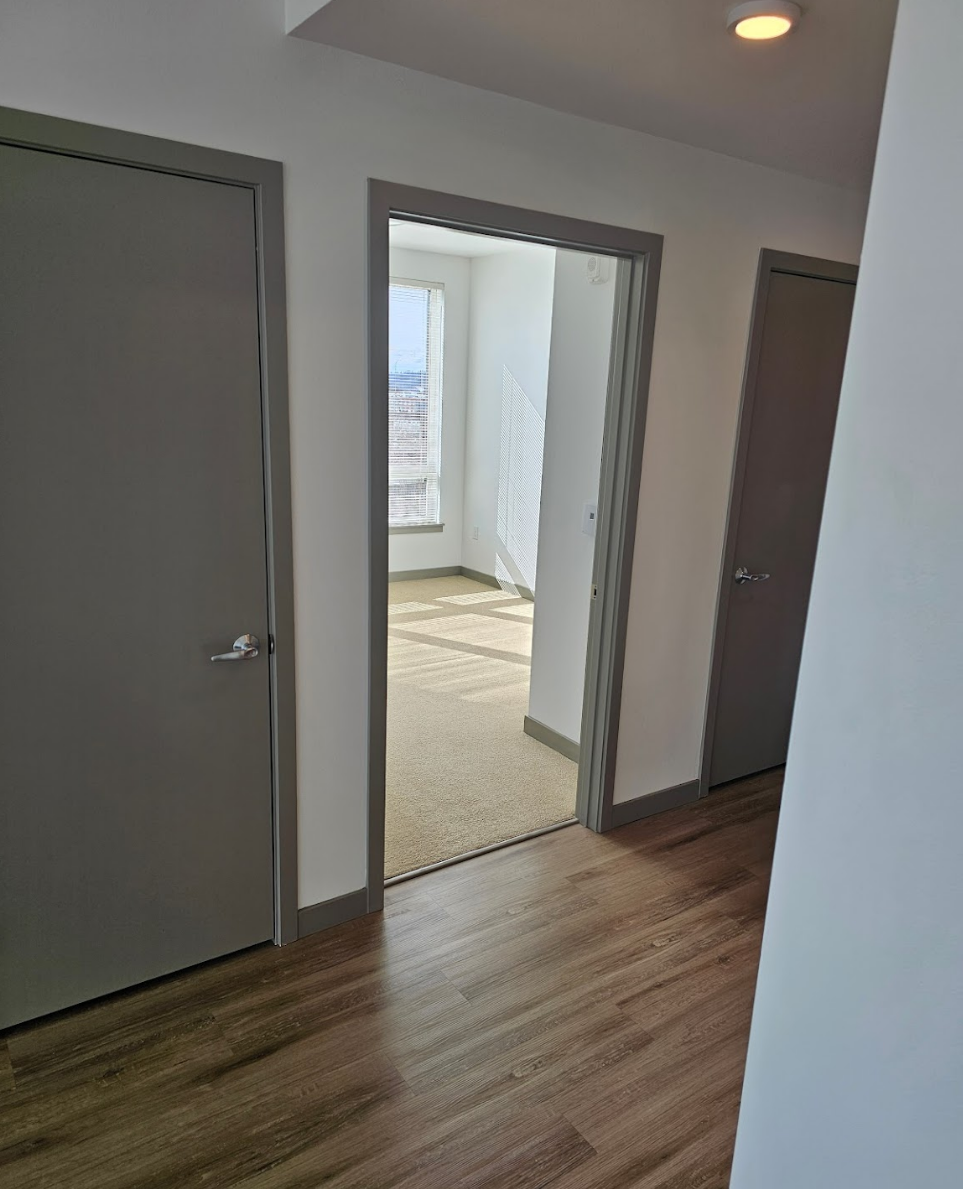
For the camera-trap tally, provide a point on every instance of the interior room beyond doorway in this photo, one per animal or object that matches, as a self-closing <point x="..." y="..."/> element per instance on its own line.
<point x="499" y="357"/>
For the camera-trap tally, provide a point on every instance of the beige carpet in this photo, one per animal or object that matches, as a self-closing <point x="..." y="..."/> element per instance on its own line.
<point x="461" y="771"/>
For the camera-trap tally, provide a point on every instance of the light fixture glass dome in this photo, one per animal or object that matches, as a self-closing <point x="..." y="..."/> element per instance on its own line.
<point x="764" y="20"/>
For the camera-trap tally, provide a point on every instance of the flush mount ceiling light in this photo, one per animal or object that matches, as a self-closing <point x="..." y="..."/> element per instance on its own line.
<point x="762" y="20"/>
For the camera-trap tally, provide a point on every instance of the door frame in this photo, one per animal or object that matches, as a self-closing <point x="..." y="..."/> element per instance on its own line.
<point x="770" y="261"/>
<point x="637" y="281"/>
<point x="264" y="179"/>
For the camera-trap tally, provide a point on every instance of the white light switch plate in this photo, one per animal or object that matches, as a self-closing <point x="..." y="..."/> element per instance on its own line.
<point x="589" y="516"/>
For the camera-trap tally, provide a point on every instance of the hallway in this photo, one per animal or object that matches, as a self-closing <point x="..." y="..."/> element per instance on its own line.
<point x="570" y="1012"/>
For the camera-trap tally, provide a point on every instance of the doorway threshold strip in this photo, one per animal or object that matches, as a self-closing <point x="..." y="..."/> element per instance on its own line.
<point x="482" y="850"/>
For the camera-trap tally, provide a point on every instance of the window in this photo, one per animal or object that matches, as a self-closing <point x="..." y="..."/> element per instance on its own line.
<point x="415" y="330"/>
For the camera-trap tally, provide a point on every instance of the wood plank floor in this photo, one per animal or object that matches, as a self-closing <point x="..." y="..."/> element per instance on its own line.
<point x="570" y="1012"/>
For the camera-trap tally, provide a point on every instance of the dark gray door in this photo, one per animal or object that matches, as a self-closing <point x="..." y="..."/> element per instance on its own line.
<point x="135" y="774"/>
<point x="800" y="370"/>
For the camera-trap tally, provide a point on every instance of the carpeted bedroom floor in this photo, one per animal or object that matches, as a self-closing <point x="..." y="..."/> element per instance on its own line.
<point x="461" y="772"/>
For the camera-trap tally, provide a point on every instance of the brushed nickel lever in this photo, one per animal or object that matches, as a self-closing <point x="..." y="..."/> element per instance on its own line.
<point x="245" y="649"/>
<point x="742" y="576"/>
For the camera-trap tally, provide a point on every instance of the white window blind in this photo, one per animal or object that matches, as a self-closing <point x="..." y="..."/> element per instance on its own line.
<point x="415" y="333"/>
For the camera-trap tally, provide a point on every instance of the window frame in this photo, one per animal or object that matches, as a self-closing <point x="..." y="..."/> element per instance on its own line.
<point x="436" y="392"/>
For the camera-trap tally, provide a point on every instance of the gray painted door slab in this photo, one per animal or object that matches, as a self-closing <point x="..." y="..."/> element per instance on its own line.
<point x="135" y="775"/>
<point x="803" y="351"/>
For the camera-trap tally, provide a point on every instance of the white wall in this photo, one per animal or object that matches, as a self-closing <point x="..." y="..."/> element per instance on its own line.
<point x="221" y="73"/>
<point x="855" y="1074"/>
<point x="425" y="551"/>
<point x="578" y="376"/>
<point x="510" y="327"/>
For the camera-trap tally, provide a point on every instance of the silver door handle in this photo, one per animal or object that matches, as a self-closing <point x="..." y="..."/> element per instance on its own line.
<point x="245" y="649"/>
<point x="742" y="576"/>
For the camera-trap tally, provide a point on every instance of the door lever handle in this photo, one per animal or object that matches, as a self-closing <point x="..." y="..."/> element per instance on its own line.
<point x="245" y="649"/>
<point x="742" y="576"/>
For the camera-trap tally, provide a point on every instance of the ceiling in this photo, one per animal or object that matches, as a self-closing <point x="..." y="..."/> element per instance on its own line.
<point x="809" y="103"/>
<point x="426" y="237"/>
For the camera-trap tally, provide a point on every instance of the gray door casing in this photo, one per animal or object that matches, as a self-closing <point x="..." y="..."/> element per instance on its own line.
<point x="794" y="372"/>
<point x="143" y="825"/>
<point x="640" y="257"/>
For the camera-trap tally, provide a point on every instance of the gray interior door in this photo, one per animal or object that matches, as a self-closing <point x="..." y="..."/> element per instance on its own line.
<point x="800" y="370"/>
<point x="135" y="774"/>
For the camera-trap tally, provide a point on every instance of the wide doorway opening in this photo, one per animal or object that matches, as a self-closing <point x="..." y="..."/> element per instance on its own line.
<point x="509" y="361"/>
<point x="498" y="370"/>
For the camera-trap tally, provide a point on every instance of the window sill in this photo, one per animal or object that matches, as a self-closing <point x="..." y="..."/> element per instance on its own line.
<point x="415" y="528"/>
